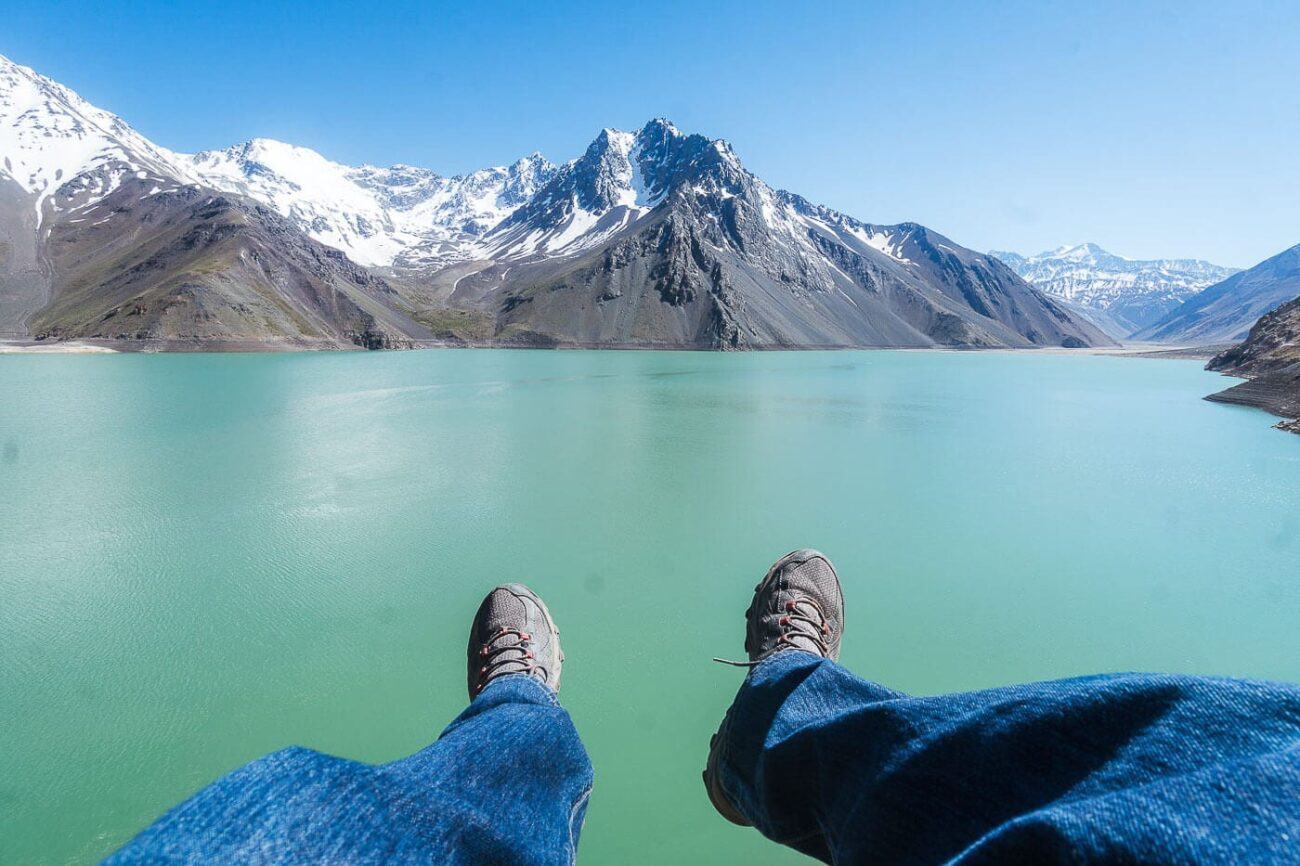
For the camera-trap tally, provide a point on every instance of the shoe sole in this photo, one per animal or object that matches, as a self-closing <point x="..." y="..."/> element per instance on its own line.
<point x="714" y="787"/>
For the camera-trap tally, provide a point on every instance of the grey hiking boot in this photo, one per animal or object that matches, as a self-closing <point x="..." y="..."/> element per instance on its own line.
<point x="798" y="605"/>
<point x="513" y="633"/>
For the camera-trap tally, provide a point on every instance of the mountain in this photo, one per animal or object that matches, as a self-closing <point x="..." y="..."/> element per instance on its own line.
<point x="1270" y="360"/>
<point x="105" y="235"/>
<point x="649" y="238"/>
<point x="379" y="216"/>
<point x="184" y="265"/>
<point x="51" y="138"/>
<point x="1225" y="312"/>
<point x="1120" y="295"/>
<point x="663" y="238"/>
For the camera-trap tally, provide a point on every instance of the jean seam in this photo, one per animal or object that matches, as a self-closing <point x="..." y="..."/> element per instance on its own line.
<point x="573" y="811"/>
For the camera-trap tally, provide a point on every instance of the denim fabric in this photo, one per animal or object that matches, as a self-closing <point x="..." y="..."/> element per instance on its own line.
<point x="507" y="782"/>
<point x="1125" y="768"/>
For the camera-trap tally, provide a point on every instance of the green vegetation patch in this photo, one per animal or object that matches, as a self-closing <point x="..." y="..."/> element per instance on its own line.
<point x="445" y="322"/>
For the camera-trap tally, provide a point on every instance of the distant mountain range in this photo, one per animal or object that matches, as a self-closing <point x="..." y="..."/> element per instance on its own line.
<point x="1226" y="311"/>
<point x="1120" y="295"/>
<point x="654" y="238"/>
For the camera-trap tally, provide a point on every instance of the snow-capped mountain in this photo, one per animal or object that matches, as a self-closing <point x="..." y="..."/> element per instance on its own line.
<point x="1226" y="311"/>
<point x="653" y="237"/>
<point x="1129" y="294"/>
<point x="50" y="136"/>
<point x="660" y="237"/>
<point x="587" y="201"/>
<point x="375" y="215"/>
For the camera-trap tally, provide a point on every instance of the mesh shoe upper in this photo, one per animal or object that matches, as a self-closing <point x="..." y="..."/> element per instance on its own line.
<point x="513" y="633"/>
<point x="798" y="605"/>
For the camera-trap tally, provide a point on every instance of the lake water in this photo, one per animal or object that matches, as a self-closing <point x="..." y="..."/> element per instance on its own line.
<point x="204" y="558"/>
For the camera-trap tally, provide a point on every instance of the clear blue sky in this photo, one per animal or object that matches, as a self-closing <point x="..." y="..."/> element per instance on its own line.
<point x="1153" y="129"/>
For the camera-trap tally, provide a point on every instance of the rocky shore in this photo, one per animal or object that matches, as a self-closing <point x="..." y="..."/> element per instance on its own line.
<point x="1269" y="360"/>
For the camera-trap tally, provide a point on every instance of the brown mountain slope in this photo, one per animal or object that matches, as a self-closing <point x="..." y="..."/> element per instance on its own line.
<point x="723" y="261"/>
<point x="1270" y="359"/>
<point x="167" y="264"/>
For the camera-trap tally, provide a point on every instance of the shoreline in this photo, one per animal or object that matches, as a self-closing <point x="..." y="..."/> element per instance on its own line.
<point x="1275" y="393"/>
<point x="18" y="346"/>
<point x="72" y="347"/>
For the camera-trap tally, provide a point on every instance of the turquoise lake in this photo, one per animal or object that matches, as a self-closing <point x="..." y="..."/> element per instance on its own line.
<point x="207" y="557"/>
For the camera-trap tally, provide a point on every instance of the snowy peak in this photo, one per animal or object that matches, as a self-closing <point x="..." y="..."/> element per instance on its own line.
<point x="1087" y="252"/>
<point x="375" y="215"/>
<point x="318" y="195"/>
<point x="50" y="135"/>
<point x="624" y="179"/>
<point x="614" y="170"/>
<point x="620" y="180"/>
<point x="1128" y="294"/>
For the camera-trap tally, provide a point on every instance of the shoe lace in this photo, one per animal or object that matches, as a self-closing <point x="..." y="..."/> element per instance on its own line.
<point x="799" y="622"/>
<point x="502" y="657"/>
<point x="803" y="618"/>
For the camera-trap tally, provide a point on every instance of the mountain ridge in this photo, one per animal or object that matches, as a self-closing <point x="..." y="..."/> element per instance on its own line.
<point x="654" y="237"/>
<point x="1123" y="295"/>
<point x="1226" y="311"/>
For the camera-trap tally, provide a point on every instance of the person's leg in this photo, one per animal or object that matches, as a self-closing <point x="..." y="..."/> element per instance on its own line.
<point x="1129" y="768"/>
<point x="507" y="782"/>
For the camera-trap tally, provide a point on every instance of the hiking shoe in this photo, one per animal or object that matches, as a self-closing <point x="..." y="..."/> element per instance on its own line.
<point x="513" y="633"/>
<point x="798" y="605"/>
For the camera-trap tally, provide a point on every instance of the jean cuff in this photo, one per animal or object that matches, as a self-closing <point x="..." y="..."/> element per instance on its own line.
<point x="519" y="689"/>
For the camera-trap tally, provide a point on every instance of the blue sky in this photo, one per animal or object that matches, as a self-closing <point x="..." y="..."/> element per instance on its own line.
<point x="1153" y="129"/>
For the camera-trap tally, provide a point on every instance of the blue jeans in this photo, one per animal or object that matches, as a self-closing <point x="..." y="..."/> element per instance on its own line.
<point x="1123" y="768"/>
<point x="1129" y="768"/>
<point x="507" y="782"/>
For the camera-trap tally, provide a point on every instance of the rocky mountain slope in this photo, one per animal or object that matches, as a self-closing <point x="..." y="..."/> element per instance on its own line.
<point x="649" y="238"/>
<point x="170" y="266"/>
<point x="1270" y="360"/>
<point x="1120" y="295"/>
<point x="1225" y="312"/>
<point x="659" y="237"/>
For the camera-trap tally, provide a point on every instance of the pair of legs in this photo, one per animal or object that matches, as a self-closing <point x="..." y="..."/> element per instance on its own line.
<point x="1127" y="768"/>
